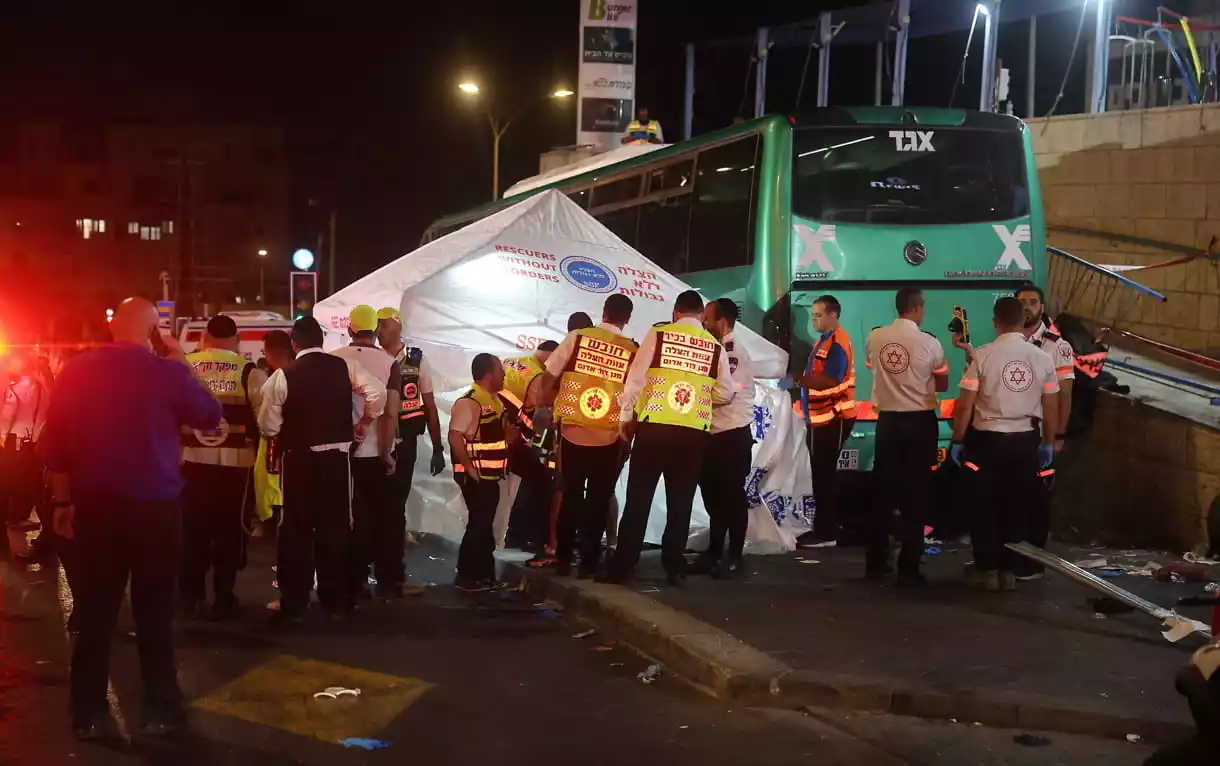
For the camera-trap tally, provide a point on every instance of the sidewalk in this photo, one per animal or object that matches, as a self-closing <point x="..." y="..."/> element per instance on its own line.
<point x="819" y="634"/>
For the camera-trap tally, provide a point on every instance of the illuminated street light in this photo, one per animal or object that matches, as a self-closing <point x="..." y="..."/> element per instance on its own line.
<point x="262" y="253"/>
<point x="262" y="275"/>
<point x="498" y="126"/>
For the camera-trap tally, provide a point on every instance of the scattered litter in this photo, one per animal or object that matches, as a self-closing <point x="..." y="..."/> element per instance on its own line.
<point x="651" y="590"/>
<point x="1183" y="572"/>
<point x="808" y="561"/>
<point x="1092" y="563"/>
<point x="436" y="558"/>
<point x="978" y="723"/>
<point x="585" y="633"/>
<point x="603" y="648"/>
<point x="932" y="541"/>
<point x="335" y="692"/>
<point x="651" y="674"/>
<point x="1176" y="578"/>
<point x="683" y="727"/>
<point x="131" y="634"/>
<point x="616" y="664"/>
<point x="1098" y="616"/>
<point x="364" y="744"/>
<point x="1031" y="740"/>
<point x="548" y="612"/>
<point x="1110" y="573"/>
<point x="1177" y="628"/>
<point x="1133" y="738"/>
<point x="1212" y="587"/>
<point x="931" y="550"/>
<point x="43" y="662"/>
<point x="1191" y="558"/>
<point x="952" y="720"/>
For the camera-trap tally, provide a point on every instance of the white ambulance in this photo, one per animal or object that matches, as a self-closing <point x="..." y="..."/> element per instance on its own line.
<point x="252" y="327"/>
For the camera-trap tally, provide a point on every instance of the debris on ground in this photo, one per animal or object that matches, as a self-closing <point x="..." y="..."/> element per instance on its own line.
<point x="808" y="561"/>
<point x="1098" y="616"/>
<point x="1031" y="740"/>
<point x="585" y="633"/>
<point x="1177" y="628"/>
<point x="651" y="674"/>
<point x="1133" y="738"/>
<point x="1212" y="587"/>
<point x="364" y="743"/>
<point x="335" y="692"/>
<point x="931" y="550"/>
<point x="1183" y="572"/>
<point x="603" y="648"/>
<point x="1191" y="558"/>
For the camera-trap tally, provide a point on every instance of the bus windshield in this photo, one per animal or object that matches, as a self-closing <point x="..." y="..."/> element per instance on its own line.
<point x="909" y="176"/>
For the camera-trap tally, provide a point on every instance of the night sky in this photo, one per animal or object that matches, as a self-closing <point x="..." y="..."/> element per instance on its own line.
<point x="367" y="92"/>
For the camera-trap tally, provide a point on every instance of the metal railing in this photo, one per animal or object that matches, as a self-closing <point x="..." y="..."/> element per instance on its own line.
<point x="1096" y="294"/>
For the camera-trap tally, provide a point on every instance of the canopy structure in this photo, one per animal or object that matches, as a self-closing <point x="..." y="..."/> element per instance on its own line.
<point x="508" y="282"/>
<point x="891" y="24"/>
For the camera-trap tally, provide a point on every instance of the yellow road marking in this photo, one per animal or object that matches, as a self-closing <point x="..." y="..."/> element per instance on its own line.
<point x="280" y="694"/>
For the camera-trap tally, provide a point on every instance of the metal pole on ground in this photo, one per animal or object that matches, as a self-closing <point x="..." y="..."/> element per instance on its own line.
<point x="688" y="100"/>
<point x="825" y="35"/>
<point x="900" y="52"/>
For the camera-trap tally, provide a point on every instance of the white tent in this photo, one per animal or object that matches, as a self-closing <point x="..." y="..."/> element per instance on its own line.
<point x="508" y="282"/>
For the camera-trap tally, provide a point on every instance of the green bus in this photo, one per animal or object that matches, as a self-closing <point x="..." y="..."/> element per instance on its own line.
<point x="851" y="201"/>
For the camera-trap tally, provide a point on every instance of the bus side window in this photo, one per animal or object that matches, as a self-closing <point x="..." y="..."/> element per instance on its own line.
<point x="622" y="222"/>
<point x="664" y="232"/>
<point x="721" y="230"/>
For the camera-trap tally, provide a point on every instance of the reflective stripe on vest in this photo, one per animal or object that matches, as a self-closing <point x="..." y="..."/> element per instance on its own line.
<point x="488" y="451"/>
<point x="821" y="406"/>
<point x="221" y="373"/>
<point x="678" y="390"/>
<point x="1091" y="364"/>
<point x="519" y="372"/>
<point x="638" y="131"/>
<point x="593" y="379"/>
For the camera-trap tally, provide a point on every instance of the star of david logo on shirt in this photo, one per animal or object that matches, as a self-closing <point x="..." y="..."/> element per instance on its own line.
<point x="1017" y="376"/>
<point x="895" y="358"/>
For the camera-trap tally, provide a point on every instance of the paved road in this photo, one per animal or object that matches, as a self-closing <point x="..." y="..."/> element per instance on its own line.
<point x="445" y="680"/>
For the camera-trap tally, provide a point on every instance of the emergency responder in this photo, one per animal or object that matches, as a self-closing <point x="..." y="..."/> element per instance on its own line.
<point x="1008" y="387"/>
<point x="828" y="405"/>
<point x="376" y="539"/>
<point x="726" y="463"/>
<point x="525" y="470"/>
<point x="909" y="368"/>
<point x="678" y="375"/>
<point x="217" y="468"/>
<point x="642" y="130"/>
<point x="1041" y="332"/>
<point x="478" y="440"/>
<point x="584" y="378"/>
<point x="579" y="320"/>
<point x="268" y="493"/>
<point x="307" y="408"/>
<point x="417" y="413"/>
<point x="26" y="383"/>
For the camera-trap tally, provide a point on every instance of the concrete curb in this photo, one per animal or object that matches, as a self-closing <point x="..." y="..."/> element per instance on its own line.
<point x="725" y="667"/>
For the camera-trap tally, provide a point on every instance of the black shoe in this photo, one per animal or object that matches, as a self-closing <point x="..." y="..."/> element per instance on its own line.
<point x="911" y="580"/>
<point x="611" y="577"/>
<point x="225" y="610"/>
<point x="726" y="568"/>
<point x="164" y="725"/>
<point x="675" y="578"/>
<point x="94" y="729"/>
<point x="703" y="564"/>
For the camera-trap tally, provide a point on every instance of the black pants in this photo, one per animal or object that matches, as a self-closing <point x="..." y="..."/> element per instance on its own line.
<point x="527" y="519"/>
<point x="677" y="454"/>
<point x="405" y="454"/>
<point x="378" y="526"/>
<point x="905" y="454"/>
<point x="476" y="554"/>
<point x="825" y="445"/>
<point x="116" y="538"/>
<point x="212" y="533"/>
<point x="1038" y="520"/>
<point x="315" y="525"/>
<point x="588" y="477"/>
<point x="1003" y="470"/>
<point x="21" y="480"/>
<point x="722" y="481"/>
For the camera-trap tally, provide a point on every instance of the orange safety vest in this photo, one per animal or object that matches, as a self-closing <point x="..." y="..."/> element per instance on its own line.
<point x="1090" y="364"/>
<point x="822" y="406"/>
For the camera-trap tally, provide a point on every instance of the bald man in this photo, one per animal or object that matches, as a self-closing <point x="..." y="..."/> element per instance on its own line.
<point x="112" y="449"/>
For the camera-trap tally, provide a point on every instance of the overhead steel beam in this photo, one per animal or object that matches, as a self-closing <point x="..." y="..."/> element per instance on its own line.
<point x="900" y="51"/>
<point x="688" y="100"/>
<point x="760" y="75"/>
<point x="1100" y="70"/>
<point x="825" y="35"/>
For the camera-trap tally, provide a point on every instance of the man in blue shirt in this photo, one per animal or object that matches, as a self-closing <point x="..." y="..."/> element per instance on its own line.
<point x="112" y="449"/>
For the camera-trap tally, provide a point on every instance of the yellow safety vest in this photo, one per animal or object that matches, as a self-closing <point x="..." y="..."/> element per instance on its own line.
<point x="642" y="133"/>
<point x="518" y="372"/>
<point x="268" y="493"/>
<point x="593" y="379"/>
<point x="223" y="373"/>
<point x="681" y="376"/>
<point x="488" y="449"/>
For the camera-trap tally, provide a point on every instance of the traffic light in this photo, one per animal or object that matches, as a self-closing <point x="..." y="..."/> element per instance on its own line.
<point x="303" y="293"/>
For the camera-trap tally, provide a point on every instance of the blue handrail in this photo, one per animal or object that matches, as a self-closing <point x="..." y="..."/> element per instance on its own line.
<point x="1103" y="270"/>
<point x="1204" y="389"/>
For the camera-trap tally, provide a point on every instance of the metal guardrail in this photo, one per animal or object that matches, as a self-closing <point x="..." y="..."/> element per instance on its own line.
<point x="1093" y="293"/>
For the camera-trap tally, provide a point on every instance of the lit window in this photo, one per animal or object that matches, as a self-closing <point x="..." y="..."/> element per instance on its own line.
<point x="150" y="232"/>
<point x="87" y="226"/>
<point x="167" y="227"/>
<point x="133" y="227"/>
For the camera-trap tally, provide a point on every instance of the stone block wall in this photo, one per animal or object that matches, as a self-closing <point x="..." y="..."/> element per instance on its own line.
<point x="1142" y="478"/>
<point x="1153" y="174"/>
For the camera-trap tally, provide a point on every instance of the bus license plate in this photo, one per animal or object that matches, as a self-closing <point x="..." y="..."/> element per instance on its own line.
<point x="849" y="460"/>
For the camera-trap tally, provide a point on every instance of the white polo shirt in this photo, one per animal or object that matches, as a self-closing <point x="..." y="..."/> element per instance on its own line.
<point x="739" y="412"/>
<point x="381" y="367"/>
<point x="1060" y="351"/>
<point x="1010" y="377"/>
<point x="904" y="360"/>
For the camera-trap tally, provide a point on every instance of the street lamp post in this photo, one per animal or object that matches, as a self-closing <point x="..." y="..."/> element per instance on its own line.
<point x="498" y="127"/>
<point x="262" y="276"/>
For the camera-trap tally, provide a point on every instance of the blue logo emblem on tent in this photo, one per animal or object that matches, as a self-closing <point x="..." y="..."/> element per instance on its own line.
<point x="588" y="274"/>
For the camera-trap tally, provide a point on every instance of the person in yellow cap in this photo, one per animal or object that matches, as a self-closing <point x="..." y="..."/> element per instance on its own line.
<point x="417" y="412"/>
<point x="373" y="466"/>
